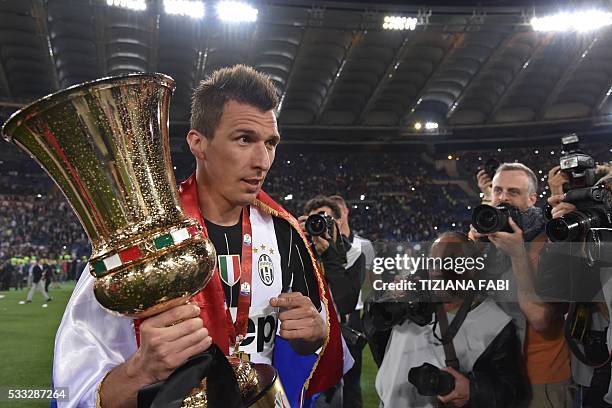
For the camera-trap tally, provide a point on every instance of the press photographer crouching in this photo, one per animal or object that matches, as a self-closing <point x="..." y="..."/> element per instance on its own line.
<point x="468" y="356"/>
<point x="581" y="256"/>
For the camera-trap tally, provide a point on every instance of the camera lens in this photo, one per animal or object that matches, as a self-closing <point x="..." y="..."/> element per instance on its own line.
<point x="487" y="219"/>
<point x="599" y="245"/>
<point x="387" y="314"/>
<point x="315" y="225"/>
<point x="558" y="230"/>
<point x="429" y="380"/>
<point x="490" y="167"/>
<point x="572" y="226"/>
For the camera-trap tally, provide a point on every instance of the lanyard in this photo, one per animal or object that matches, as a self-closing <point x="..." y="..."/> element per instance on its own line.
<point x="238" y="330"/>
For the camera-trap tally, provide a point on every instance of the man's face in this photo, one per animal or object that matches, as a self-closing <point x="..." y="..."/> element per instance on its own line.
<point x="512" y="187"/>
<point x="237" y="158"/>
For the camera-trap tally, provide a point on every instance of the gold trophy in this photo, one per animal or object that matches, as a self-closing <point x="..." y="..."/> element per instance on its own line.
<point x="105" y="144"/>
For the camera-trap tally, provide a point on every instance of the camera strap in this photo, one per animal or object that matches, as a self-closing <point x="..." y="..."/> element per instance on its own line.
<point x="572" y="322"/>
<point x="341" y="242"/>
<point x="450" y="354"/>
<point x="448" y="332"/>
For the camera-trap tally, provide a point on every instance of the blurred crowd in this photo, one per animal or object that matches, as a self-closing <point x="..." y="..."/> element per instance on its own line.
<point x="391" y="196"/>
<point x="39" y="225"/>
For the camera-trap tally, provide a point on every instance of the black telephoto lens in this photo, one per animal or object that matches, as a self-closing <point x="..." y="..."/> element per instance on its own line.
<point x="558" y="230"/>
<point x="573" y="226"/>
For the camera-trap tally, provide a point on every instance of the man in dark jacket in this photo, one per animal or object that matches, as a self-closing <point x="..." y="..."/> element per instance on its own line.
<point x="331" y="249"/>
<point x="48" y="274"/>
<point x="6" y="275"/>
<point x="37" y="283"/>
<point x="344" y="278"/>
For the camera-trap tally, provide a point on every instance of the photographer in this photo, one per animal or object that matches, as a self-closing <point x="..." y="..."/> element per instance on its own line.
<point x="331" y="248"/>
<point x="540" y="324"/>
<point x="322" y="224"/>
<point x="361" y="250"/>
<point x="556" y="180"/>
<point x="593" y="278"/>
<point x="483" y="350"/>
<point x="559" y="181"/>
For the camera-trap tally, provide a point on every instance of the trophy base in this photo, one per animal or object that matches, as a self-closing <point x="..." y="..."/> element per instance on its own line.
<point x="273" y="394"/>
<point x="259" y="384"/>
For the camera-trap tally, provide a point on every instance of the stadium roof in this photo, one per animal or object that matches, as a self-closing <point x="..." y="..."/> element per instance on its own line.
<point x="477" y="70"/>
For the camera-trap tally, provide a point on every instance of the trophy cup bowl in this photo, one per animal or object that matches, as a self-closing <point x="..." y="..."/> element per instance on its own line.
<point x="105" y="144"/>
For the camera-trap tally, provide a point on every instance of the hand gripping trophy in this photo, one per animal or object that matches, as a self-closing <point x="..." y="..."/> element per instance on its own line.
<point x="105" y="144"/>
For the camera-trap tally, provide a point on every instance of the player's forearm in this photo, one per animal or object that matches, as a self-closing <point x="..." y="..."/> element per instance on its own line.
<point x="120" y="387"/>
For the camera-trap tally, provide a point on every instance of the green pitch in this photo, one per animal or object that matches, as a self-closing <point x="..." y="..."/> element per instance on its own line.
<point x="27" y="334"/>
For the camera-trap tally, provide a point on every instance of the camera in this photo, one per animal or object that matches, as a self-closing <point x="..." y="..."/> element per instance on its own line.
<point x="418" y="308"/>
<point x="390" y="308"/>
<point x="490" y="167"/>
<point x="429" y="380"/>
<point x="488" y="219"/>
<point x="317" y="224"/>
<point x="579" y="166"/>
<point x="593" y="210"/>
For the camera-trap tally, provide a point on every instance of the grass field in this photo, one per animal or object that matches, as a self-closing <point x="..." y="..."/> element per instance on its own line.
<point x="27" y="334"/>
<point x="26" y="340"/>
